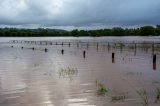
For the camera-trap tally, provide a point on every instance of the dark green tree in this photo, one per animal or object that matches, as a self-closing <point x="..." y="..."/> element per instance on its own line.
<point x="74" y="32"/>
<point x="158" y="30"/>
<point x="118" y="31"/>
<point x="147" y="30"/>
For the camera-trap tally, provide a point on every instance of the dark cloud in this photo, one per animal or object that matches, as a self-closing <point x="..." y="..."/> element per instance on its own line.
<point x="79" y="12"/>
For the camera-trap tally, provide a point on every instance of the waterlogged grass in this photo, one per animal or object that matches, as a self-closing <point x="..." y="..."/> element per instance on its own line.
<point x="101" y="89"/>
<point x="68" y="72"/>
<point x="118" y="98"/>
<point x="157" y="95"/>
<point x="144" y="97"/>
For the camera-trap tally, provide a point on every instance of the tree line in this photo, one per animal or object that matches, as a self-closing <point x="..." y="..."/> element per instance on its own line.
<point x="116" y="31"/>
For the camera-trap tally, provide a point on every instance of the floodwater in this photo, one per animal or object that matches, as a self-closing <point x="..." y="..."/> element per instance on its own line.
<point x="46" y="74"/>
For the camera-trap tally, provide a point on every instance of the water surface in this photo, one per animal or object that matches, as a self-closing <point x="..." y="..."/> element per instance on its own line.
<point x="33" y="77"/>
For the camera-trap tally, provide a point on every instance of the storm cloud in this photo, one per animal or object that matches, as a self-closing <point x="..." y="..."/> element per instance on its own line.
<point x="78" y="13"/>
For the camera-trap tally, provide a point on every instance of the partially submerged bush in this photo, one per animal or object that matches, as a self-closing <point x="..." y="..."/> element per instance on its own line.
<point x="101" y="89"/>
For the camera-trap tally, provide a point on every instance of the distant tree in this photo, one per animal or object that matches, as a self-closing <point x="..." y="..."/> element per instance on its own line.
<point x="158" y="30"/>
<point x="147" y="30"/>
<point x="157" y="25"/>
<point x="118" y="31"/>
<point x="1" y="33"/>
<point x="7" y="33"/>
<point x="83" y="33"/>
<point x="74" y="32"/>
<point x="100" y="32"/>
<point x="94" y="33"/>
<point x="107" y="32"/>
<point x="65" y="33"/>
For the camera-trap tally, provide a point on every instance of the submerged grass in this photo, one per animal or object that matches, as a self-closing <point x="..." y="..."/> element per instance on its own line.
<point x="101" y="89"/>
<point x="144" y="97"/>
<point x="68" y="72"/>
<point x="157" y="95"/>
<point x="118" y="98"/>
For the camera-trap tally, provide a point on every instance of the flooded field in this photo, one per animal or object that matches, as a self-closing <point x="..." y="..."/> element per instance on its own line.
<point x="104" y="71"/>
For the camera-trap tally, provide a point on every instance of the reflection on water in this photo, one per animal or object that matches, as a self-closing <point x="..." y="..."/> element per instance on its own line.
<point x="79" y="102"/>
<point x="34" y="72"/>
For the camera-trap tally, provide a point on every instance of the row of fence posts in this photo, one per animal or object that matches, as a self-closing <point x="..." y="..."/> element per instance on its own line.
<point x="113" y="56"/>
<point x="154" y="60"/>
<point x="41" y="42"/>
<point x="97" y="46"/>
<point x="50" y="43"/>
<point x="69" y="43"/>
<point x="87" y="44"/>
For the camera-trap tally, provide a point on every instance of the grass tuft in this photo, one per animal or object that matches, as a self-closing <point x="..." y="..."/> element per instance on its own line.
<point x="143" y="95"/>
<point x="157" y="95"/>
<point x="101" y="89"/>
<point x="118" y="98"/>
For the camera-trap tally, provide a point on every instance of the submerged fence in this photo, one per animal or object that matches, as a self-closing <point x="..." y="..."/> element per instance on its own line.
<point x="121" y="45"/>
<point x="153" y="46"/>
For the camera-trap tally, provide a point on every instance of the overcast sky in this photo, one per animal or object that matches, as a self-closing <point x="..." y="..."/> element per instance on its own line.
<point x="79" y="13"/>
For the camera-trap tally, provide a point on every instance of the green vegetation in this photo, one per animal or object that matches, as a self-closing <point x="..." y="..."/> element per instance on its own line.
<point x="157" y="95"/>
<point x="116" y="31"/>
<point x="144" y="97"/>
<point x="68" y="72"/>
<point x="147" y="30"/>
<point x="101" y="89"/>
<point x="118" y="98"/>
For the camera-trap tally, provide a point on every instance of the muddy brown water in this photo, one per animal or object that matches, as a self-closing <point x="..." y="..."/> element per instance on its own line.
<point x="33" y="77"/>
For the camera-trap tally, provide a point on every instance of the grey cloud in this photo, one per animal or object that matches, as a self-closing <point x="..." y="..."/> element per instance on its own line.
<point x="79" y="12"/>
